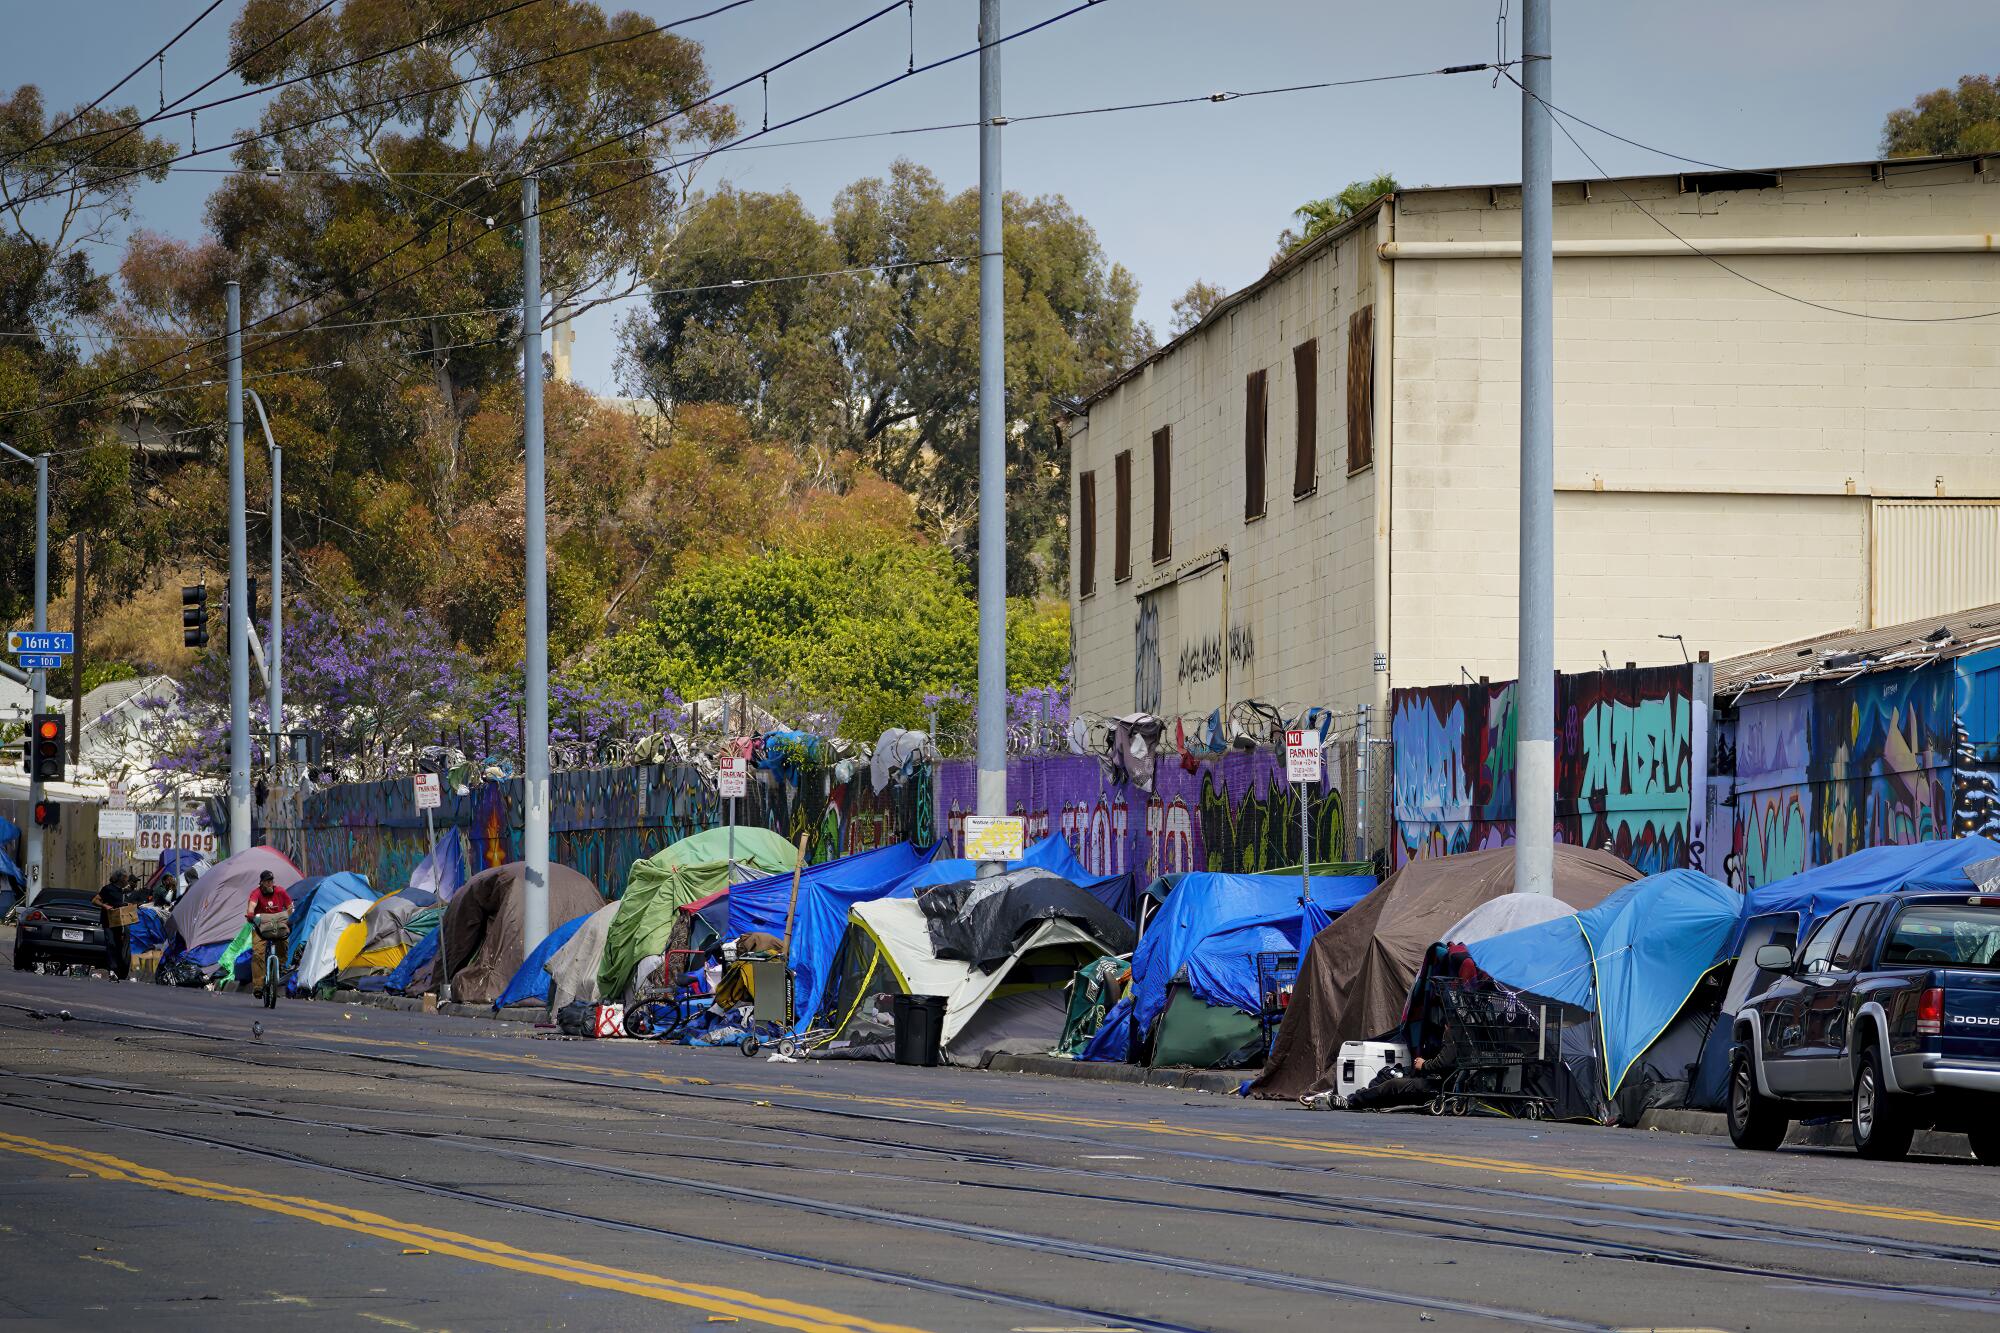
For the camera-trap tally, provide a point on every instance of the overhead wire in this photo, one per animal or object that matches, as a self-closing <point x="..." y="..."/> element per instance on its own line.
<point x="1694" y="248"/>
<point x="81" y="112"/>
<point x="574" y="201"/>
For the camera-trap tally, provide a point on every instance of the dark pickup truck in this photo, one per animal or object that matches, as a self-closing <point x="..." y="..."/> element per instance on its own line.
<point x="1890" y="1011"/>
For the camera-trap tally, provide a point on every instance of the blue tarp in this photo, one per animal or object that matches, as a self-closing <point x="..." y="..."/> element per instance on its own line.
<point x="150" y="931"/>
<point x="1814" y="893"/>
<point x="314" y="897"/>
<point x="530" y="982"/>
<point x="1203" y="905"/>
<point x="1113" y="1039"/>
<point x="398" y="979"/>
<point x="1633" y="959"/>
<point x="1052" y="854"/>
<point x="442" y="872"/>
<point x="826" y="891"/>
<point x="1222" y="969"/>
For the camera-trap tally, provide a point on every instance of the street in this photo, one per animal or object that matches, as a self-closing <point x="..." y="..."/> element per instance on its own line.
<point x="355" y="1167"/>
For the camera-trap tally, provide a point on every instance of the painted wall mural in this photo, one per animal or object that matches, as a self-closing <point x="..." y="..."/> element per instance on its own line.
<point x="601" y="820"/>
<point x="1835" y="765"/>
<point x="1631" y="765"/>
<point x="1237" y="814"/>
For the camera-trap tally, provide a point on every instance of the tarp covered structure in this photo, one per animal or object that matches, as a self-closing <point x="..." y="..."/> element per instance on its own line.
<point x="319" y="961"/>
<point x="377" y="942"/>
<point x="1633" y="960"/>
<point x="826" y="892"/>
<point x="1052" y="854"/>
<point x="758" y="851"/>
<point x="483" y="940"/>
<point x="442" y="872"/>
<point x="978" y="920"/>
<point x="572" y="968"/>
<point x="1016" y="1004"/>
<point x="314" y="896"/>
<point x="646" y="917"/>
<point x="211" y="911"/>
<point x="1356" y="976"/>
<point x="530" y="982"/>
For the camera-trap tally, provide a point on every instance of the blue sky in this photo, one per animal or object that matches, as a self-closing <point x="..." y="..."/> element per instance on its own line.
<point x="1201" y="191"/>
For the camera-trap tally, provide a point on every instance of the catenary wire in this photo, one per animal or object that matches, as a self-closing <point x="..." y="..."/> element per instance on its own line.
<point x="426" y="232"/>
<point x="80" y="113"/>
<point x="574" y="201"/>
<point x="1695" y="249"/>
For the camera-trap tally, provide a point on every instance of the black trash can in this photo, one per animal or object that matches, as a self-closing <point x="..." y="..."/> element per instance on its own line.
<point x="919" y="1028"/>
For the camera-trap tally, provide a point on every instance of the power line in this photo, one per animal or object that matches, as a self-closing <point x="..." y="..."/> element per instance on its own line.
<point x="1731" y="270"/>
<point x="81" y="112"/>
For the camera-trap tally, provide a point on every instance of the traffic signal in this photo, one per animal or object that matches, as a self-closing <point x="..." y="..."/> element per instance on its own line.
<point x="194" y="615"/>
<point x="47" y="814"/>
<point x="49" y="748"/>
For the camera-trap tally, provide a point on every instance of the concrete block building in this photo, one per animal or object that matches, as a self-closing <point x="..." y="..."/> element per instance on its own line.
<point x="1777" y="415"/>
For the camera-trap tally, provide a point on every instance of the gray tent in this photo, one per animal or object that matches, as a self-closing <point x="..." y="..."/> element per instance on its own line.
<point x="572" y="969"/>
<point x="1357" y="973"/>
<point x="211" y="912"/>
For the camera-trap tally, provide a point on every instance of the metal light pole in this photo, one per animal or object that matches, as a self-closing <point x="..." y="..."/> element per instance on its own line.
<point x="535" y="723"/>
<point x="992" y="431"/>
<point x="239" y="587"/>
<point x="39" y="680"/>
<point x="274" y="685"/>
<point x="1535" y="755"/>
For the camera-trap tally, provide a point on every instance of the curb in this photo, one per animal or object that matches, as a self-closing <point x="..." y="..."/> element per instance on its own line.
<point x="1823" y="1134"/>
<point x="413" y="1004"/>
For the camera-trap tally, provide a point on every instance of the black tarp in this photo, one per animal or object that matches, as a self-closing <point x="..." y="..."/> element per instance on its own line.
<point x="978" y="920"/>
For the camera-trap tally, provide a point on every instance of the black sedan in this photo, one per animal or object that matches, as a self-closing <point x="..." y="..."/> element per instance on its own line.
<point x="61" y="926"/>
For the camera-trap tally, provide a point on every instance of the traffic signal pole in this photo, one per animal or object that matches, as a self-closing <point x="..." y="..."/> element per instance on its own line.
<point x="37" y="680"/>
<point x="239" y="588"/>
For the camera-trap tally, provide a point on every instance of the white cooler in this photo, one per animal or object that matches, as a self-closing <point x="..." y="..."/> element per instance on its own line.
<point x="1361" y="1061"/>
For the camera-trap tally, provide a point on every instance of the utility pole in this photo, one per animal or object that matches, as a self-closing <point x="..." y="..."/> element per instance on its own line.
<point x="1535" y="754"/>
<point x="535" y="724"/>
<point x="38" y="680"/>
<point x="239" y="589"/>
<point x="274" y="682"/>
<point x="992" y="430"/>
<point x="76" y="661"/>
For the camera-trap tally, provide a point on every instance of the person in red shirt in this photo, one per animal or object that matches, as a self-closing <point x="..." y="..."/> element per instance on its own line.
<point x="265" y="900"/>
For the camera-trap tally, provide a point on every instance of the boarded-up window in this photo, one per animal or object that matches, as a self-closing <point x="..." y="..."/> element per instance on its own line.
<point x="1121" y="522"/>
<point x="1361" y="388"/>
<point x="1256" y="419"/>
<point x="1163" y="494"/>
<point x="1086" y="537"/>
<point x="1305" y="369"/>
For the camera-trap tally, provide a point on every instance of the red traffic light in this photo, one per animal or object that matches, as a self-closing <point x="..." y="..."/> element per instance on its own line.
<point x="49" y="729"/>
<point x="47" y="813"/>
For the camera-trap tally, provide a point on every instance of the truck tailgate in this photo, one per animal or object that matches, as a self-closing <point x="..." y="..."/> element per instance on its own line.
<point x="1971" y="1014"/>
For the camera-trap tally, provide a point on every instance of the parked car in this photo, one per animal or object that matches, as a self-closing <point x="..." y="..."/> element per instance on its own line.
<point x="1890" y="1011"/>
<point x="61" y="927"/>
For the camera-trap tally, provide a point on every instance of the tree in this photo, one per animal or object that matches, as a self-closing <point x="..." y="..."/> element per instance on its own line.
<point x="1947" y="121"/>
<point x="1320" y="215"/>
<point x="885" y="364"/>
<point x="1192" y="306"/>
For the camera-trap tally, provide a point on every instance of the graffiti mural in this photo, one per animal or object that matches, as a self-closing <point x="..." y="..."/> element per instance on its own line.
<point x="1237" y="814"/>
<point x="1146" y="681"/>
<point x="600" y="820"/>
<point x="1627" y="776"/>
<point x="1976" y="745"/>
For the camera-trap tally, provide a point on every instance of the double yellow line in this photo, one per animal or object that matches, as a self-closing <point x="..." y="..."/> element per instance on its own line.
<point x="699" y="1296"/>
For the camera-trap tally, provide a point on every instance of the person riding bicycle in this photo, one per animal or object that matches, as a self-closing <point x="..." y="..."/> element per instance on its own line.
<point x="267" y="901"/>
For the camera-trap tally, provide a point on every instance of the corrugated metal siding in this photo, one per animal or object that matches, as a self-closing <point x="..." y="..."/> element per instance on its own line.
<point x="1934" y="556"/>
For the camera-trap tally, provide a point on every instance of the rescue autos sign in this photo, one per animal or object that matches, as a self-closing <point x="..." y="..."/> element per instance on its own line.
<point x="159" y="832"/>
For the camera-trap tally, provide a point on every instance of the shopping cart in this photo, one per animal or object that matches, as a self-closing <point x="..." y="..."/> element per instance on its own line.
<point x="1503" y="1045"/>
<point x="1277" y="974"/>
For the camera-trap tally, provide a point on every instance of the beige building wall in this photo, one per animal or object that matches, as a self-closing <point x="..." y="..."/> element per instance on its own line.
<point x="1288" y="615"/>
<point x="1725" y="455"/>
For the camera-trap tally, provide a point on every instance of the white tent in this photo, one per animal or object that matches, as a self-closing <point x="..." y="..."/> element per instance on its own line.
<point x="318" y="960"/>
<point x="1510" y="911"/>
<point x="1018" y="1006"/>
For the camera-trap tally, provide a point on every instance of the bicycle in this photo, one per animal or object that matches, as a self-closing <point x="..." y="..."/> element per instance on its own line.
<point x="276" y="938"/>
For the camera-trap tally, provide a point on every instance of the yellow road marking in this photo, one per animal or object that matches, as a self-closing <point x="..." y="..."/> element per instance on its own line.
<point x="108" y="1263"/>
<point x="1321" y="1147"/>
<point x="700" y="1296"/>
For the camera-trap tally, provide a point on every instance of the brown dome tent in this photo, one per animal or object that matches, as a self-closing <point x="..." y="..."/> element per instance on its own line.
<point x="482" y="935"/>
<point x="1357" y="973"/>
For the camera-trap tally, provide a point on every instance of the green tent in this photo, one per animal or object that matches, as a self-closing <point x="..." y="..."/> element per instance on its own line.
<point x="767" y="853"/>
<point x="225" y="966"/>
<point x="687" y="872"/>
<point x="1199" y="1035"/>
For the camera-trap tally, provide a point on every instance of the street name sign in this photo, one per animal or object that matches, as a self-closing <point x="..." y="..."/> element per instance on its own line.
<point x="40" y="641"/>
<point x="732" y="777"/>
<point x="430" y="792"/>
<point x="40" y="662"/>
<point x="995" y="837"/>
<point x="1302" y="762"/>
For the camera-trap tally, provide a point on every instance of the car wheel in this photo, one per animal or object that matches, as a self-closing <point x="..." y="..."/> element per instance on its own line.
<point x="1985" y="1144"/>
<point x="1755" y="1122"/>
<point x="1882" y="1126"/>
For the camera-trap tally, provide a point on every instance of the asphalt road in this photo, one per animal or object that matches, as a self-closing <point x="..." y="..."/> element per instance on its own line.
<point x="163" y="1168"/>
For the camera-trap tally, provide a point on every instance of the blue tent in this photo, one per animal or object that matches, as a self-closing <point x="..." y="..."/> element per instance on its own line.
<point x="826" y="891"/>
<point x="1812" y="894"/>
<point x="1052" y="854"/>
<point x="1633" y="960"/>
<point x="151" y="931"/>
<point x="1222" y="969"/>
<point x="529" y="982"/>
<point x="313" y="897"/>
<point x="398" y="980"/>
<point x="1204" y="905"/>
